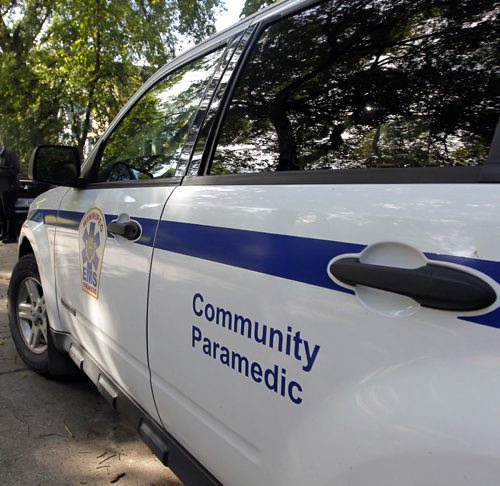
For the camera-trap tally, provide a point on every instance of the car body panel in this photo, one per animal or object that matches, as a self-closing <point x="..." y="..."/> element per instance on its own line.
<point x="381" y="362"/>
<point x="101" y="321"/>
<point x="38" y="236"/>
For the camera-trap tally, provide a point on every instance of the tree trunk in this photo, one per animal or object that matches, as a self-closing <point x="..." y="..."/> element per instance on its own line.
<point x="287" y="145"/>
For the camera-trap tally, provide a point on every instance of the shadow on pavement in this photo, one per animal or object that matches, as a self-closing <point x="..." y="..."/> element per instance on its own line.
<point x="62" y="432"/>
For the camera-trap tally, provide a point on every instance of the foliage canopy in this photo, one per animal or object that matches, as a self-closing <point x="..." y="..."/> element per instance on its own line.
<point x="69" y="65"/>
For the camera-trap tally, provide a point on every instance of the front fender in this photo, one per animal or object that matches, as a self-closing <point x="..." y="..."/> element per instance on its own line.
<point x="38" y="236"/>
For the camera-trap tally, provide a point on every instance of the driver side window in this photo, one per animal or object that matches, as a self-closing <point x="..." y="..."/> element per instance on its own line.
<point x="148" y="141"/>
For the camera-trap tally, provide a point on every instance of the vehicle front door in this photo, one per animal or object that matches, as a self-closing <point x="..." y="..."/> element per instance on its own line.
<point x="105" y="234"/>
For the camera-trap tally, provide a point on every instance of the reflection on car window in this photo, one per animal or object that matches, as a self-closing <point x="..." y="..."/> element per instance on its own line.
<point x="148" y="141"/>
<point x="361" y="84"/>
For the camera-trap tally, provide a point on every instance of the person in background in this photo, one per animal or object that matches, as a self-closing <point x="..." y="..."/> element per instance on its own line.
<point x="9" y="170"/>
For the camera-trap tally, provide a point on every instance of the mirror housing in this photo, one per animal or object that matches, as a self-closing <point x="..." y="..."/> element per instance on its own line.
<point x="55" y="164"/>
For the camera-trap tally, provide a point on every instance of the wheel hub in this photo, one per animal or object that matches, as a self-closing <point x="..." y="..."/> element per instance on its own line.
<point x="32" y="315"/>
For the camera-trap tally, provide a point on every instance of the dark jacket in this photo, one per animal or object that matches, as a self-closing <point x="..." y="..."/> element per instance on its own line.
<point x="9" y="168"/>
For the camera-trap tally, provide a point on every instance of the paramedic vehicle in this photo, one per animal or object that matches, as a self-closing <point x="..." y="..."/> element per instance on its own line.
<point x="282" y="259"/>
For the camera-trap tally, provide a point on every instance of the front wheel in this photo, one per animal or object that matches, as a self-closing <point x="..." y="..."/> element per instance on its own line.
<point x="29" y="324"/>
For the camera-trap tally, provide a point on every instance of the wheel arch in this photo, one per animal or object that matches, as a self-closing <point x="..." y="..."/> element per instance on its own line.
<point x="25" y="247"/>
<point x="35" y="239"/>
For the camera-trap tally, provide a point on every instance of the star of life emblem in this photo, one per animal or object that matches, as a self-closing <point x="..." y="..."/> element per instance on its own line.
<point x="92" y="237"/>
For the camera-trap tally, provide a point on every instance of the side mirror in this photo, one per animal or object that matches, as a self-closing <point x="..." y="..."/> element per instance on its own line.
<point x="55" y="164"/>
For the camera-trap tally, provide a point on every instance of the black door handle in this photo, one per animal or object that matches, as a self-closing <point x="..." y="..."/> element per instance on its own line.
<point x="130" y="230"/>
<point x="431" y="285"/>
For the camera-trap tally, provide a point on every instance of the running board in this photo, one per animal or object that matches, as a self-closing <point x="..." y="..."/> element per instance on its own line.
<point x="170" y="452"/>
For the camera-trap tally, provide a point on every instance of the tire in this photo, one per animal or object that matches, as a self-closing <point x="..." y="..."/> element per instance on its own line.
<point x="29" y="324"/>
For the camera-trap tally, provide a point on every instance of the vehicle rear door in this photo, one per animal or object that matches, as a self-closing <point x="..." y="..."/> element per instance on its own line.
<point x="323" y="303"/>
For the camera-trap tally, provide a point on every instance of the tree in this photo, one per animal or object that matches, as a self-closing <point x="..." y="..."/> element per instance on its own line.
<point x="69" y="65"/>
<point x="26" y="110"/>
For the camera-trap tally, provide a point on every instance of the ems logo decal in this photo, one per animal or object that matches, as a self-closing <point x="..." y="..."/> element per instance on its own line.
<point x="92" y="236"/>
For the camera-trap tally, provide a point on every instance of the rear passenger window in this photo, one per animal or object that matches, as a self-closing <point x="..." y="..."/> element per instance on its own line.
<point x="148" y="140"/>
<point x="367" y="84"/>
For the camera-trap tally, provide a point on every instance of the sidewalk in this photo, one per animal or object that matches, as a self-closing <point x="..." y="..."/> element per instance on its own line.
<point x="62" y="432"/>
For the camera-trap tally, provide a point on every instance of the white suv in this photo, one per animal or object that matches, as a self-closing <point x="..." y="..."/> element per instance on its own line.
<point x="282" y="259"/>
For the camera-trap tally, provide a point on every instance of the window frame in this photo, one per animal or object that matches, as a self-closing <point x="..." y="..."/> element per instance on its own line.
<point x="488" y="172"/>
<point x="91" y="166"/>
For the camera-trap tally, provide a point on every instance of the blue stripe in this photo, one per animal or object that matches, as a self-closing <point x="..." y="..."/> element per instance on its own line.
<point x="71" y="220"/>
<point x="45" y="216"/>
<point x="291" y="257"/>
<point x="148" y="231"/>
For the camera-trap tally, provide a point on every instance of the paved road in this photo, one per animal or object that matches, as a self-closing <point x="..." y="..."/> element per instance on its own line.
<point x="62" y="432"/>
